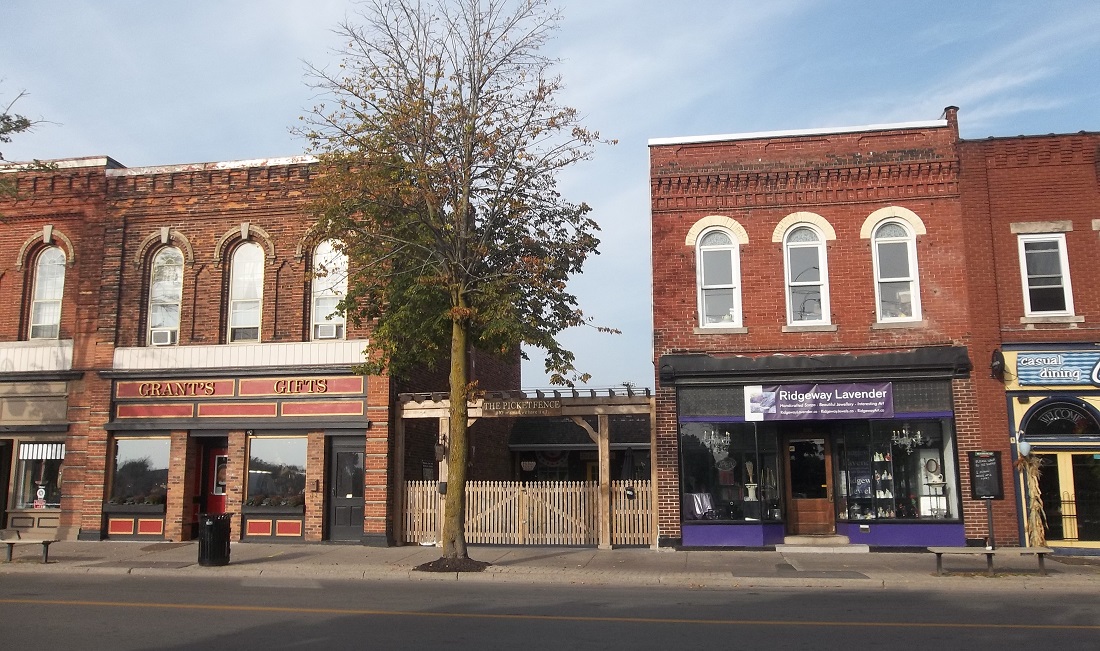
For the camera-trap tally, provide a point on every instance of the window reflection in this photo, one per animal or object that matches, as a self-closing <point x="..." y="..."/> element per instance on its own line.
<point x="140" y="471"/>
<point x="276" y="472"/>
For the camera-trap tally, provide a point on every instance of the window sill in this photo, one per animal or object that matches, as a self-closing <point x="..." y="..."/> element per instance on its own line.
<point x="809" y="328"/>
<point x="273" y="510"/>
<point x="1030" y="320"/>
<point x="134" y="508"/>
<point x="893" y="325"/>
<point x="721" y="330"/>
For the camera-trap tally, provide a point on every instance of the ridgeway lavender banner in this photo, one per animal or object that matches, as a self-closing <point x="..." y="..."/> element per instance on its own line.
<point x="819" y="401"/>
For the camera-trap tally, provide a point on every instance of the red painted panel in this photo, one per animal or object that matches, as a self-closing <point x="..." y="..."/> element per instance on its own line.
<point x="150" y="527"/>
<point x="326" y="408"/>
<point x="249" y="409"/>
<point x="258" y="528"/>
<point x="120" y="527"/>
<point x="288" y="527"/>
<point x="353" y="384"/>
<point x="156" y="411"/>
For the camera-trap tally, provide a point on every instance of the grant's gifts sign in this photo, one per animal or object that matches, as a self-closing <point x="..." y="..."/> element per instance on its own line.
<point x="819" y="401"/>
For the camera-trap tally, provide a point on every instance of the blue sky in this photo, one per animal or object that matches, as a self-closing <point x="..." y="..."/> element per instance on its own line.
<point x="155" y="83"/>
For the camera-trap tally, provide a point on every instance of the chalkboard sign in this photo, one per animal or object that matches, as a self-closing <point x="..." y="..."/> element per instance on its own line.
<point x="985" y="476"/>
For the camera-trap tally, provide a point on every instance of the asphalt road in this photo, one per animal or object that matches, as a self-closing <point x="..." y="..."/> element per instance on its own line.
<point x="130" y="612"/>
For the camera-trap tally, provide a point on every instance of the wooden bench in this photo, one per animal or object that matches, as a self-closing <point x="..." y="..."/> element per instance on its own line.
<point x="1039" y="552"/>
<point x="12" y="537"/>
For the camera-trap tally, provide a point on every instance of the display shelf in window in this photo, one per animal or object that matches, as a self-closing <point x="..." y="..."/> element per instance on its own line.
<point x="867" y="484"/>
<point x="883" y="468"/>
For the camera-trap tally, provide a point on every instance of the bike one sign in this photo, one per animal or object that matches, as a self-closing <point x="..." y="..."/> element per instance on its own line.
<point x="1058" y="368"/>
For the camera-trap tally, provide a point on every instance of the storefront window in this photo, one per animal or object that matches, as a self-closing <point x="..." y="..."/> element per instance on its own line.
<point x="141" y="471"/>
<point x="276" y="472"/>
<point x="896" y="470"/>
<point x="729" y="472"/>
<point x="38" y="476"/>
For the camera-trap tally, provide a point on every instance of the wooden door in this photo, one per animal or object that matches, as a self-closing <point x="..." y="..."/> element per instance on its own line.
<point x="809" y="487"/>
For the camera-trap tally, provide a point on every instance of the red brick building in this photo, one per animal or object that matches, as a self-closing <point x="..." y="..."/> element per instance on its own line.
<point x="821" y="301"/>
<point x="1034" y="203"/>
<point x="171" y="350"/>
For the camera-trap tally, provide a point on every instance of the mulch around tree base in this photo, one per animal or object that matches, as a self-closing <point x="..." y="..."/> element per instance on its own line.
<point x="453" y="565"/>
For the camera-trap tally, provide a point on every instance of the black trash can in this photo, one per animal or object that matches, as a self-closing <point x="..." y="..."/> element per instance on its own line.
<point x="214" y="538"/>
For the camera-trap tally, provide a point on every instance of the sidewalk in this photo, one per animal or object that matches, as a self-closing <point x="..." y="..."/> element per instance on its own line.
<point x="569" y="565"/>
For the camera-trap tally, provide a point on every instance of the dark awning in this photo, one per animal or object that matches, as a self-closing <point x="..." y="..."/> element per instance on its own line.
<point x="930" y="362"/>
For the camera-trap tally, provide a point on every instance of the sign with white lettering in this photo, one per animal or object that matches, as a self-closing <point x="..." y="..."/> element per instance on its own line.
<point x="819" y="401"/>
<point x="1058" y="368"/>
<point x="522" y="407"/>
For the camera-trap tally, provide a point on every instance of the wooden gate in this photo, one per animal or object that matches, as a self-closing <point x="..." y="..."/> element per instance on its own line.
<point x="533" y="513"/>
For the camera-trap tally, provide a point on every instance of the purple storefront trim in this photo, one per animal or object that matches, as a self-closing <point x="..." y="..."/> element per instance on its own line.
<point x="877" y="534"/>
<point x="903" y="534"/>
<point x="757" y="534"/>
<point x="909" y="415"/>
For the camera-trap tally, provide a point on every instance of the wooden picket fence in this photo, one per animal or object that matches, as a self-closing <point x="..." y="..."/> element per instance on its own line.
<point x="533" y="513"/>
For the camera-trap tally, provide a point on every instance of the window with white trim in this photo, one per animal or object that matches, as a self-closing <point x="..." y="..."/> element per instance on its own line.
<point x="37" y="480"/>
<point x="807" y="276"/>
<point x="1044" y="269"/>
<point x="330" y="285"/>
<point x="897" y="288"/>
<point x="719" y="279"/>
<point x="165" y="296"/>
<point x="246" y="287"/>
<point x="49" y="287"/>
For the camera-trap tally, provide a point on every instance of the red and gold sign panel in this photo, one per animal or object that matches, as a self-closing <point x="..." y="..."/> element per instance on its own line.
<point x="303" y="387"/>
<point x="174" y="389"/>
<point x="238" y="409"/>
<point x="324" y="408"/>
<point x="185" y="410"/>
<point x="304" y="396"/>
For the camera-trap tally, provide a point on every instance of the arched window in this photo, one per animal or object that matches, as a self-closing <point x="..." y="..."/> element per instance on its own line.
<point x="807" y="276"/>
<point x="897" y="290"/>
<point x="49" y="287"/>
<point x="165" y="295"/>
<point x="246" y="288"/>
<point x="330" y="284"/>
<point x="719" y="279"/>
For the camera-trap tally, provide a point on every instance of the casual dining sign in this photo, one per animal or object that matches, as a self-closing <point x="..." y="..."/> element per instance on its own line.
<point x="819" y="401"/>
<point x="1060" y="368"/>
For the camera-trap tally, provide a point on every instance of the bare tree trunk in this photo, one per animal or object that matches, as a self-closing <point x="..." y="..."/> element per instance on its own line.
<point x="454" y="514"/>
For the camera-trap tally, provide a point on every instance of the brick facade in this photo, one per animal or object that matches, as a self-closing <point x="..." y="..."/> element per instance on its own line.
<point x="964" y="195"/>
<point x="110" y="222"/>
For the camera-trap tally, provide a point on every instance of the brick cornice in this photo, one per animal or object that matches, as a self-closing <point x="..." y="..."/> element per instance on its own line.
<point x="817" y="185"/>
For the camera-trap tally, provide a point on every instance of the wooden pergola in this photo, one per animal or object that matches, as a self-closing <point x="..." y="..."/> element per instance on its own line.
<point x="571" y="403"/>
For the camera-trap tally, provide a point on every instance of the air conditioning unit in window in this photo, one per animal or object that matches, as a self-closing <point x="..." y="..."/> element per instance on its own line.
<point x="326" y="330"/>
<point x="162" y="336"/>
